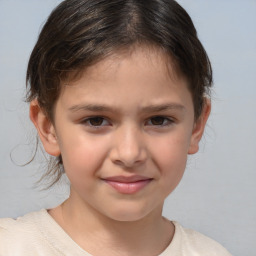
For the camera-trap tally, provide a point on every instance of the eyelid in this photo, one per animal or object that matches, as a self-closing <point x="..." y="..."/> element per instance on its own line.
<point x="86" y="121"/>
<point x="169" y="120"/>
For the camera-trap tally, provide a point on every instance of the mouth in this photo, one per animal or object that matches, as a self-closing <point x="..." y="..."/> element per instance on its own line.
<point x="128" y="185"/>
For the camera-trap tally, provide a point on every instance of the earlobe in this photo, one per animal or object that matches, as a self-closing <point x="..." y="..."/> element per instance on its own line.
<point x="45" y="129"/>
<point x="199" y="127"/>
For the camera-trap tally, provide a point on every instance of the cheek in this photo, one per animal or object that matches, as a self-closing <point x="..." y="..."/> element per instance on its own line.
<point x="83" y="155"/>
<point x="170" y="155"/>
<point x="172" y="168"/>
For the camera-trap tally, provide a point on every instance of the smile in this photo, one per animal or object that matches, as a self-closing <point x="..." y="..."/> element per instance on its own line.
<point x="128" y="185"/>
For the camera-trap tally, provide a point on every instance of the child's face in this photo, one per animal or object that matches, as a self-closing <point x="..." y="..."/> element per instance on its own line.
<point x="124" y="131"/>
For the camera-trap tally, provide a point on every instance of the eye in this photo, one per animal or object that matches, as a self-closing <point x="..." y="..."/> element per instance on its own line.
<point x="159" y="121"/>
<point x="96" y="121"/>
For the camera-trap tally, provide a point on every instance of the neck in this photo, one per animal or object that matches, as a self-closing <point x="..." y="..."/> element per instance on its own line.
<point x="87" y="227"/>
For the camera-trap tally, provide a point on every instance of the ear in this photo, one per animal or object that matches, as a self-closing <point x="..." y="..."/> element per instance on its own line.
<point x="199" y="126"/>
<point x="45" y="129"/>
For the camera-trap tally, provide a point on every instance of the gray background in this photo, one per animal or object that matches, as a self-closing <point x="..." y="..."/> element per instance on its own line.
<point x="217" y="195"/>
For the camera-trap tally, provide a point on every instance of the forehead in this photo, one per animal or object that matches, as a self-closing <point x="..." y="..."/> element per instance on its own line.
<point x="141" y="76"/>
<point x="160" y="63"/>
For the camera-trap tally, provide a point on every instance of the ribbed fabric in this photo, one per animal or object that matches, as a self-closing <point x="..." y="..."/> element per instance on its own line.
<point x="38" y="234"/>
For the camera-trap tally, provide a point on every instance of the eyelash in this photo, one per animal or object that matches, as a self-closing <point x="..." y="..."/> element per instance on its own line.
<point x="88" y="121"/>
<point x="166" y="121"/>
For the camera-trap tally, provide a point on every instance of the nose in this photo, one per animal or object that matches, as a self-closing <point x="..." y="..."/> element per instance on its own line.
<point x="129" y="148"/>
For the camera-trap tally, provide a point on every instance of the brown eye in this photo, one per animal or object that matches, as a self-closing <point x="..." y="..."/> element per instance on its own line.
<point x="157" y="120"/>
<point x="96" y="121"/>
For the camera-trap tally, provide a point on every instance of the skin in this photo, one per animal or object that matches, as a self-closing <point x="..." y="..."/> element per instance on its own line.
<point x="144" y="126"/>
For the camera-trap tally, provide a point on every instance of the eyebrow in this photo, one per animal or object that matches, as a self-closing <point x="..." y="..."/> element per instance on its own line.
<point x="91" y="107"/>
<point x="104" y="108"/>
<point x="163" y="107"/>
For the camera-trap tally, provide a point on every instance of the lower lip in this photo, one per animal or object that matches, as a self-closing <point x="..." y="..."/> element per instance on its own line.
<point x="128" y="188"/>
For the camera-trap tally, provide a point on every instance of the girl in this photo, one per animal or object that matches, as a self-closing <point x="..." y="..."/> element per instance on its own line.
<point x="118" y="94"/>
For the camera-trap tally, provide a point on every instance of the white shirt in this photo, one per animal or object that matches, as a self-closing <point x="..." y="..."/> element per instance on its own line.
<point x="38" y="234"/>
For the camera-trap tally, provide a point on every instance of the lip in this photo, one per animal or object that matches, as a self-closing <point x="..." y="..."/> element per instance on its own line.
<point x="128" y="185"/>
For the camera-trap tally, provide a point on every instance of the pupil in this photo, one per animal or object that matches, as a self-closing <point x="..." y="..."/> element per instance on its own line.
<point x="97" y="121"/>
<point x="158" y="120"/>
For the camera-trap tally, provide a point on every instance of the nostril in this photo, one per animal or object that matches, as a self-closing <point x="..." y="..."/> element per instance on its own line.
<point x="129" y="160"/>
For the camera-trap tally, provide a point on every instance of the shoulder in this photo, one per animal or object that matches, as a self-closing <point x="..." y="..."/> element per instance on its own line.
<point x="20" y="226"/>
<point x="18" y="235"/>
<point x="197" y="243"/>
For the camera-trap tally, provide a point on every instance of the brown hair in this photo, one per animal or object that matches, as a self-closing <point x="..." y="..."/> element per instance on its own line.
<point x="79" y="33"/>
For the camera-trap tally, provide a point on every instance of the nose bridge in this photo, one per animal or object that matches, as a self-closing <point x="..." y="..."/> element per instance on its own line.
<point x="129" y="146"/>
